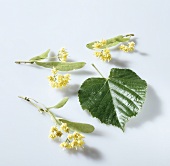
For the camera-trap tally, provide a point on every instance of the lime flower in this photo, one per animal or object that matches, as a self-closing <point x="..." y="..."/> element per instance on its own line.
<point x="62" y="55"/>
<point x="99" y="44"/>
<point x="127" y="48"/>
<point x="97" y="54"/>
<point x="52" y="136"/>
<point x="54" y="132"/>
<point x="54" y="71"/>
<point x="103" y="42"/>
<point x="58" y="80"/>
<point x="64" y="127"/>
<point x="53" y="129"/>
<point x="51" y="78"/>
<point x="70" y="136"/>
<point x="104" y="55"/>
<point x="131" y="44"/>
<point x="77" y="135"/>
<point x="65" y="145"/>
<point x="74" y="144"/>
<point x="74" y="140"/>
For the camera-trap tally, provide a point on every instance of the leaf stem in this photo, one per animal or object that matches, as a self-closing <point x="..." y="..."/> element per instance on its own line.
<point x="97" y="70"/>
<point x="46" y="110"/>
<point x="19" y="62"/>
<point x="54" y="117"/>
<point x="129" y="35"/>
<point x="29" y="100"/>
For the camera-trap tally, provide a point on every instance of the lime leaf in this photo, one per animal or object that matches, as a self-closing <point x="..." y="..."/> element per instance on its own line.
<point x="60" y="104"/>
<point x="110" y="42"/>
<point x="80" y="127"/>
<point x="40" y="57"/>
<point x="116" y="99"/>
<point x="62" y="66"/>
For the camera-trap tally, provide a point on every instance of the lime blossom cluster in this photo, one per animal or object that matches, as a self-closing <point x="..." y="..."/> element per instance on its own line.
<point x="74" y="140"/>
<point x="127" y="48"/>
<point x="104" y="54"/>
<point x="58" y="80"/>
<point x="62" y="55"/>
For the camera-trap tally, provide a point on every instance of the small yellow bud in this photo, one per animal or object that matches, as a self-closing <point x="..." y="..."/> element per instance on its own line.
<point x="52" y="136"/>
<point x="64" y="127"/>
<point x="62" y="55"/>
<point x="80" y="143"/>
<point x="127" y="48"/>
<point x="70" y="136"/>
<point x="54" y="71"/>
<point x="74" y="144"/>
<point x="103" y="42"/>
<point x="59" y="133"/>
<point x="65" y="145"/>
<point x="53" y="128"/>
<point x="97" y="45"/>
<point x="51" y="78"/>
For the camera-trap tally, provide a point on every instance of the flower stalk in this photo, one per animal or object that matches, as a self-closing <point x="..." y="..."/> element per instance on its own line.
<point x="73" y="140"/>
<point x="97" y="70"/>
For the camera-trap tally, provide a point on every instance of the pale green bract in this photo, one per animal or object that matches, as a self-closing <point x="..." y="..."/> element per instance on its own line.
<point x="80" y="127"/>
<point x="60" y="104"/>
<point x="40" y="57"/>
<point x="110" y="42"/>
<point x="116" y="99"/>
<point x="62" y="66"/>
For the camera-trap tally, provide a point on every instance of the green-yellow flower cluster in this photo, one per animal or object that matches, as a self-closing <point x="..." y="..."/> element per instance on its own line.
<point x="74" y="140"/>
<point x="99" y="44"/>
<point x="58" y="80"/>
<point x="62" y="55"/>
<point x="104" y="54"/>
<point x="54" y="132"/>
<point x="127" y="48"/>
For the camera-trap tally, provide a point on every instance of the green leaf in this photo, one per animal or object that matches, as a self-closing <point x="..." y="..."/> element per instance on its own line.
<point x="62" y="66"/>
<point x="60" y="104"/>
<point x="80" y="127"/>
<point x="116" y="99"/>
<point x="110" y="42"/>
<point x="40" y="57"/>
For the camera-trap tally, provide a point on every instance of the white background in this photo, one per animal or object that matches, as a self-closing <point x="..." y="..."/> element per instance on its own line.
<point x="28" y="28"/>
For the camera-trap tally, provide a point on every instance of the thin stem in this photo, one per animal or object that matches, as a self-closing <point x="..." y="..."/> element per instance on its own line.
<point x="46" y="110"/>
<point x="97" y="70"/>
<point x="29" y="100"/>
<point x="54" y="117"/>
<point x="19" y="62"/>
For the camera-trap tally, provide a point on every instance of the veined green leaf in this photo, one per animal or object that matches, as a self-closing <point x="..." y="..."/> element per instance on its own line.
<point x="80" y="127"/>
<point x="40" y="57"/>
<point x="60" y="104"/>
<point x="62" y="66"/>
<point x="110" y="42"/>
<point x="116" y="99"/>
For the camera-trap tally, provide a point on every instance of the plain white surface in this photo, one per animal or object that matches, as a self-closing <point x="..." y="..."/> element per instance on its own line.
<point x="28" y="28"/>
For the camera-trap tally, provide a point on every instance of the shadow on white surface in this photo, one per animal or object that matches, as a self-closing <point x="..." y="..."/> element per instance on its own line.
<point x="52" y="56"/>
<point x="150" y="111"/>
<point x="82" y="72"/>
<point x="97" y="133"/>
<point x="119" y="63"/>
<point x="70" y="90"/>
<point x="88" y="152"/>
<point x="137" y="51"/>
